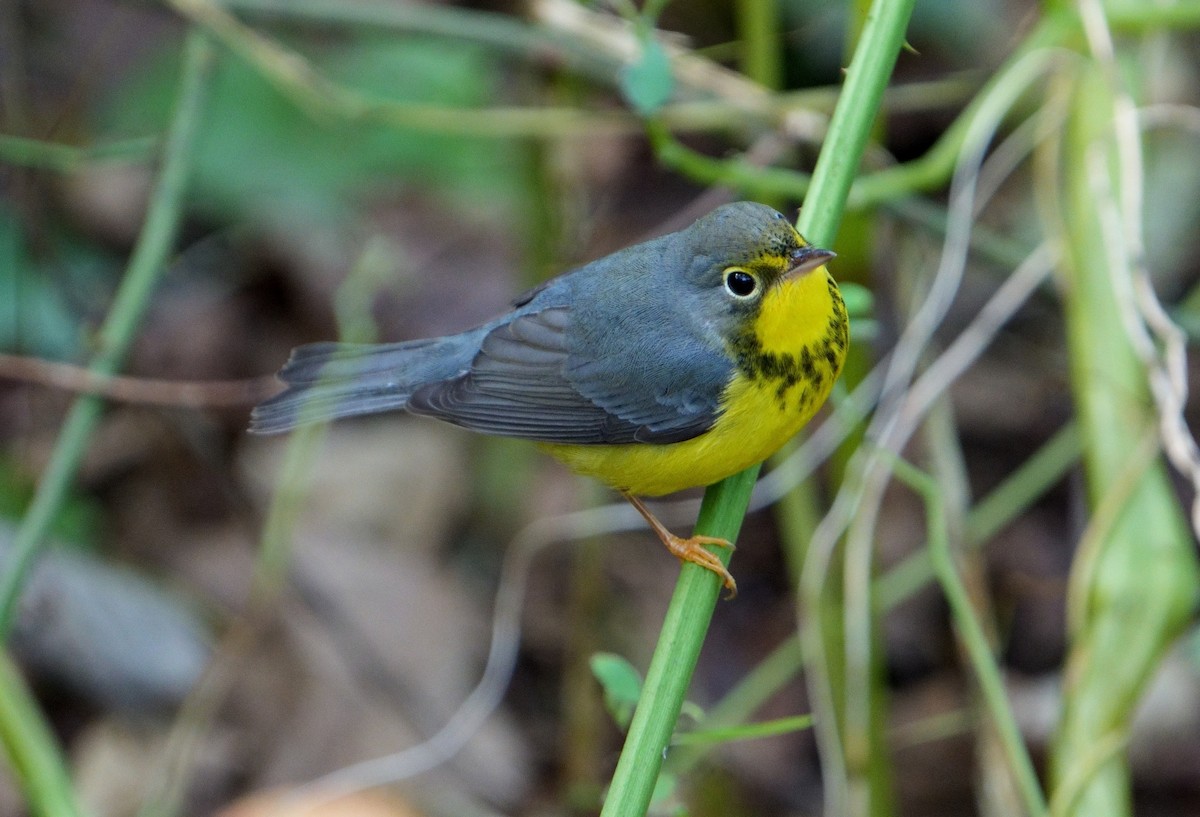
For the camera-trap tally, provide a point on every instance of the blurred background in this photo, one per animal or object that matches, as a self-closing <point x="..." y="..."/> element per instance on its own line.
<point x="217" y="616"/>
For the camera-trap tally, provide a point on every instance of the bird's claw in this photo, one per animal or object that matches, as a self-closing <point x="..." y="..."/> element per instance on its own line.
<point x="693" y="550"/>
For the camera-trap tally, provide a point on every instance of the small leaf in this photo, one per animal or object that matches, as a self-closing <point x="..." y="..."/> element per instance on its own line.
<point x="622" y="685"/>
<point x="647" y="83"/>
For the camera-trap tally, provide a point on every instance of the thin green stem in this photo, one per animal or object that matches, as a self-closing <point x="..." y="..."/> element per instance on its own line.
<point x="934" y="168"/>
<point x="1017" y="492"/>
<point x="725" y="503"/>
<point x="761" y="44"/>
<point x="145" y="268"/>
<point x="751" y="692"/>
<point x="974" y="639"/>
<point x="738" y="172"/>
<point x="291" y="494"/>
<point x="38" y="766"/>
<point x="18" y="150"/>
<point x="749" y="731"/>
<point x="320" y="96"/>
<point x="352" y="304"/>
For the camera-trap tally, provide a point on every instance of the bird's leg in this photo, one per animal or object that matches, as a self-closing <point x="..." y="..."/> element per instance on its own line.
<point x="688" y="550"/>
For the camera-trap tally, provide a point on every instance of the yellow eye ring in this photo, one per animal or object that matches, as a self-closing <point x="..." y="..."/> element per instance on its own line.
<point x="740" y="283"/>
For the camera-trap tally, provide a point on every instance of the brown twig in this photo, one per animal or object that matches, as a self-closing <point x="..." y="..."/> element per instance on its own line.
<point x="147" y="391"/>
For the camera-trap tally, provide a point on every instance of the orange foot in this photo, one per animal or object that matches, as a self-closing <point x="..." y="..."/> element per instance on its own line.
<point x="691" y="549"/>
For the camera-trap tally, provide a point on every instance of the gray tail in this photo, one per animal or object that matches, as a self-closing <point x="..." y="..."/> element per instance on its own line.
<point x="327" y="381"/>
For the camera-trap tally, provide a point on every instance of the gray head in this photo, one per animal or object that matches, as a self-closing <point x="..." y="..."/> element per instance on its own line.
<point x="734" y="255"/>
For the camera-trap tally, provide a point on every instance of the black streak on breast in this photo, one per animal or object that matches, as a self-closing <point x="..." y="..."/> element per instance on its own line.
<point x="788" y="369"/>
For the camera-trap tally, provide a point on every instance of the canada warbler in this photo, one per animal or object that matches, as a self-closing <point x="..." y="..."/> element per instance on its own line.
<point x="666" y="365"/>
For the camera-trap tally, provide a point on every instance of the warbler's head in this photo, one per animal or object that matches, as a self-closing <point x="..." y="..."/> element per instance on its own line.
<point x="740" y="253"/>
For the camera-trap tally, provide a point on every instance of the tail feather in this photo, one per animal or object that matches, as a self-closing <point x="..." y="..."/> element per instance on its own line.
<point x="328" y="381"/>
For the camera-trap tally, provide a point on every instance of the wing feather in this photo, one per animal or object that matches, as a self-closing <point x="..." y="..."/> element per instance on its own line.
<point x="526" y="381"/>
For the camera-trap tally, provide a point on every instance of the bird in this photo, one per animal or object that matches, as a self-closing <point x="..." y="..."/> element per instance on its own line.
<point x="669" y="364"/>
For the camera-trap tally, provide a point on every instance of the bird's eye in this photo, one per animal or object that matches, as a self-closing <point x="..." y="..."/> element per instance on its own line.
<point x="740" y="283"/>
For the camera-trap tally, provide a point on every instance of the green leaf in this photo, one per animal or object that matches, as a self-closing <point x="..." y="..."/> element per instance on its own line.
<point x="647" y="83"/>
<point x="622" y="685"/>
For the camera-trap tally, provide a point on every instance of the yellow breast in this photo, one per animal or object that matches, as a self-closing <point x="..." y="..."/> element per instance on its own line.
<point x="786" y="368"/>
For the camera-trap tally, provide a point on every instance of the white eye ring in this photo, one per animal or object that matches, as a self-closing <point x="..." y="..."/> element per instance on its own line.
<point x="741" y="284"/>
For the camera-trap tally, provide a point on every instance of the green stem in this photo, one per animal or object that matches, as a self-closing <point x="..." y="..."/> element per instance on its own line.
<point x="936" y="165"/>
<point x="320" y="96"/>
<point x="974" y="639"/>
<point x="761" y="45"/>
<point x="1134" y="587"/>
<point x="850" y="126"/>
<point x="674" y="658"/>
<point x="352" y="305"/>
<point x="33" y="755"/>
<point x="145" y="268"/>
<point x="750" y="731"/>
<point x="18" y="150"/>
<point x="1017" y="492"/>
<point x="725" y="503"/>
<point x="737" y="172"/>
<point x="928" y="172"/>
<point x="1126" y="16"/>
<point x="751" y="692"/>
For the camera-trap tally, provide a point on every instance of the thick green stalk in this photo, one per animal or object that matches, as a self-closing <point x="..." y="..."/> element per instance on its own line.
<point x="1138" y="584"/>
<point x="725" y="503"/>
<point x="37" y="765"/>
<point x="145" y="268"/>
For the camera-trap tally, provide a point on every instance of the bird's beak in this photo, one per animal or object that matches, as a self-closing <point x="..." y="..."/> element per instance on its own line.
<point x="806" y="259"/>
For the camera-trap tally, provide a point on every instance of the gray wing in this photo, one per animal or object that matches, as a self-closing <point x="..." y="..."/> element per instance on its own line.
<point x="528" y="381"/>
